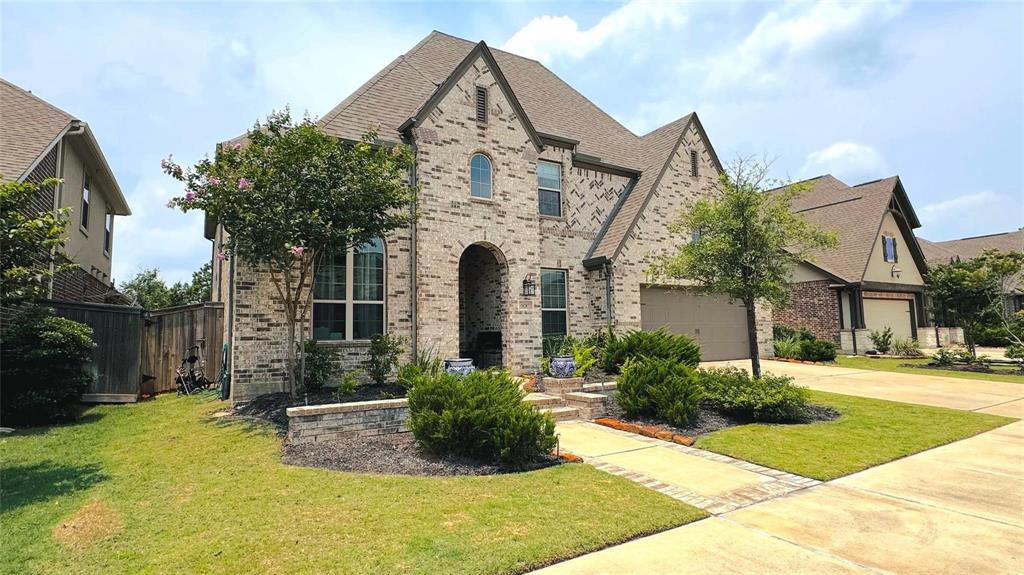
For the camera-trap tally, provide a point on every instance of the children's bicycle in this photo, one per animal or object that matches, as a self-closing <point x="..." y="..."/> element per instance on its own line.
<point x="189" y="376"/>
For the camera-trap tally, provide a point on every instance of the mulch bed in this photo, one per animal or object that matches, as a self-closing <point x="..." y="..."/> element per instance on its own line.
<point x="707" y="421"/>
<point x="272" y="407"/>
<point x="393" y="454"/>
<point x="968" y="368"/>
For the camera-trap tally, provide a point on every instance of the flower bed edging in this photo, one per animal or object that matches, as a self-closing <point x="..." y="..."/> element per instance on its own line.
<point x="808" y="362"/>
<point x="645" y="430"/>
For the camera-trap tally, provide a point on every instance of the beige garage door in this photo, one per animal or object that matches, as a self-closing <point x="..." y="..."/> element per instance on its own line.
<point x="894" y="313"/>
<point x="719" y="326"/>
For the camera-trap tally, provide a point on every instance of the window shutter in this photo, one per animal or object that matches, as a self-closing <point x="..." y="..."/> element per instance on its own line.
<point x="481" y="104"/>
<point x="895" y="254"/>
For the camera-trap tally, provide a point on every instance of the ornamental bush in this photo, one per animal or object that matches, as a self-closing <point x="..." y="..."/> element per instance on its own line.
<point x="43" y="368"/>
<point x="662" y="388"/>
<point x="321" y="366"/>
<point x="768" y="399"/>
<point x="817" y="350"/>
<point x="882" y="340"/>
<point x="481" y="416"/>
<point x="658" y="344"/>
<point x="906" y="347"/>
<point x="788" y="347"/>
<point x="385" y="349"/>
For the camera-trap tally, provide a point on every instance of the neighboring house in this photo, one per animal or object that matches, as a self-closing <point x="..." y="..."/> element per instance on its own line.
<point x="970" y="248"/>
<point x="39" y="141"/>
<point x="540" y="215"/>
<point x="874" y="279"/>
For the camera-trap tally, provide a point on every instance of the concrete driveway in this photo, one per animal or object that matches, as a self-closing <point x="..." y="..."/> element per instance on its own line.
<point x="994" y="397"/>
<point x="954" y="509"/>
<point x="958" y="508"/>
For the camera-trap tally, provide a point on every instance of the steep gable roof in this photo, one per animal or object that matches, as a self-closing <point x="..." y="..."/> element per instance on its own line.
<point x="29" y="127"/>
<point x="855" y="214"/>
<point x="969" y="248"/>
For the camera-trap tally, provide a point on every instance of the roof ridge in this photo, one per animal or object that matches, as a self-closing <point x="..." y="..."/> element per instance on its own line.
<point x="977" y="237"/>
<point x="472" y="43"/>
<point x="830" y="204"/>
<point x="666" y="125"/>
<point x="875" y="181"/>
<point x="38" y="99"/>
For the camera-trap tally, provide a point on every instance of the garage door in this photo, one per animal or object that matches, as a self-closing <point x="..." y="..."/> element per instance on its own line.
<point x="719" y="326"/>
<point x="894" y="313"/>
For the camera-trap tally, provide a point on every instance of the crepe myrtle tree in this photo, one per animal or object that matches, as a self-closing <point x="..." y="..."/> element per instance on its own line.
<point x="290" y="194"/>
<point x="745" y="242"/>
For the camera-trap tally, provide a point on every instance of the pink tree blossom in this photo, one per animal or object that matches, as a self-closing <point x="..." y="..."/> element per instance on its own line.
<point x="221" y="256"/>
<point x="244" y="184"/>
<point x="297" y="251"/>
<point x="214" y="181"/>
<point x="190" y="196"/>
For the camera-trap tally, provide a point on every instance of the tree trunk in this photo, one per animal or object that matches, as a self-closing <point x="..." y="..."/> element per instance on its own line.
<point x="291" y="357"/>
<point x="969" y="338"/>
<point x="755" y="355"/>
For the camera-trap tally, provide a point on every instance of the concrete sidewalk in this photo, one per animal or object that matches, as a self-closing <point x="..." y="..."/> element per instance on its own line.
<point x="999" y="398"/>
<point x="954" y="509"/>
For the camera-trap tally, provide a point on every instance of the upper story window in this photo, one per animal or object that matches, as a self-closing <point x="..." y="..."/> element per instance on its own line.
<point x="889" y="249"/>
<point x="480" y="176"/>
<point x="108" y="232"/>
<point x="693" y="162"/>
<point x="481" y="104"/>
<point x="86" y="197"/>
<point x="348" y="294"/>
<point x="549" y="184"/>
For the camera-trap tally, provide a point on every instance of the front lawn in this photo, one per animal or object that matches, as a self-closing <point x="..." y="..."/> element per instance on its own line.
<point x="898" y="365"/>
<point x="163" y="487"/>
<point x="869" y="432"/>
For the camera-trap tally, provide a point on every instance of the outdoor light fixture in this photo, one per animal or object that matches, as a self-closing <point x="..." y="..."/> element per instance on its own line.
<point x="529" y="286"/>
<point x="895" y="271"/>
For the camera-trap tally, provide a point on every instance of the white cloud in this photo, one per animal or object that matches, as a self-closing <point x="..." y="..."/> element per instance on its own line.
<point x="939" y="212"/>
<point x="845" y="160"/>
<point x="547" y="38"/>
<point x="825" y="30"/>
<point x="970" y="214"/>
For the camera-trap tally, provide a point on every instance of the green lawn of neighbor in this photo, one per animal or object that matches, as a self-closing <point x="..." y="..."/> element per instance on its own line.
<point x="897" y="364"/>
<point x="869" y="432"/>
<point x="163" y="487"/>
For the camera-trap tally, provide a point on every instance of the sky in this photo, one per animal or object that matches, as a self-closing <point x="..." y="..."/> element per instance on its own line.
<point x="929" y="91"/>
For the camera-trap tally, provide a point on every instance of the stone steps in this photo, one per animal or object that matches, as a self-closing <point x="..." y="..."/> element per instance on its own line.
<point x="541" y="400"/>
<point x="563" y="413"/>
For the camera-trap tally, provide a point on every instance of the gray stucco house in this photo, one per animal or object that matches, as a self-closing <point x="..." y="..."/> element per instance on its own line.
<point x="540" y="216"/>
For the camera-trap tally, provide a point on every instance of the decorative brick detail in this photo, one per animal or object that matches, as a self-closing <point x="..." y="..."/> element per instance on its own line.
<point x="813" y="306"/>
<point x="362" y="418"/>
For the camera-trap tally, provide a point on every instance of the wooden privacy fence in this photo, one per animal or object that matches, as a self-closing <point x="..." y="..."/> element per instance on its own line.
<point x="137" y="352"/>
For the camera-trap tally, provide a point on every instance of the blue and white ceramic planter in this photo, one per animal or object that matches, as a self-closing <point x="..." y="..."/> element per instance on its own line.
<point x="563" y="366"/>
<point x="460" y="366"/>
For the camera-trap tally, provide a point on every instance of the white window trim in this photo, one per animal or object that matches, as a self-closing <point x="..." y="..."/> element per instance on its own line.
<point x="85" y="207"/>
<point x="561" y="198"/>
<point x="564" y="310"/>
<point x="350" y="303"/>
<point x="108" y="244"/>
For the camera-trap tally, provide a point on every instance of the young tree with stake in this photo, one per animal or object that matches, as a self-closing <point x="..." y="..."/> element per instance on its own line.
<point x="746" y="244"/>
<point x="292" y="193"/>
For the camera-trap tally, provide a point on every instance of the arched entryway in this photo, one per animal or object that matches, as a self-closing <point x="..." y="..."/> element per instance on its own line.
<point x="483" y="290"/>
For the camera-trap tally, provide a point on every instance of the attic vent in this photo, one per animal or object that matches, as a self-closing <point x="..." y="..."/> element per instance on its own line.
<point x="481" y="104"/>
<point x="693" y="162"/>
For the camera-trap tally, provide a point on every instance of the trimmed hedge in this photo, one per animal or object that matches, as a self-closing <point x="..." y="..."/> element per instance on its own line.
<point x="43" y="368"/>
<point x="662" y="388"/>
<point x="653" y="344"/>
<point x="769" y="399"/>
<point x="481" y="416"/>
<point x="817" y="350"/>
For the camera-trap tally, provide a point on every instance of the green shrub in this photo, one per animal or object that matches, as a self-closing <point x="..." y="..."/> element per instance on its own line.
<point x="584" y="356"/>
<point x="43" y="360"/>
<point x="786" y="332"/>
<point x="906" y="348"/>
<point x="384" y="352"/>
<point x="321" y="363"/>
<point x="1015" y="351"/>
<point x="769" y="399"/>
<point x="817" y="350"/>
<point x="881" y="340"/>
<point x="788" y="347"/>
<point x="347" y="385"/>
<point x="426" y="364"/>
<point x="482" y="416"/>
<point x="659" y="343"/>
<point x="661" y="388"/>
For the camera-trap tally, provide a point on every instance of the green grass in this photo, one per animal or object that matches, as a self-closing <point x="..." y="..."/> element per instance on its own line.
<point x="869" y="432"/>
<point x="897" y="365"/>
<point x="168" y="489"/>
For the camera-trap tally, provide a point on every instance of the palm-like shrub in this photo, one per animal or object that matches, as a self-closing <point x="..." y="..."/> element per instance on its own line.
<point x="788" y="347"/>
<point x="657" y="344"/>
<point x="481" y="416"/>
<point x="661" y="388"/>
<point x="906" y="347"/>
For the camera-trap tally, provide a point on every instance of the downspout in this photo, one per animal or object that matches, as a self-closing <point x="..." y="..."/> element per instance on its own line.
<point x="608" y="291"/>
<point x="231" y="327"/>
<point x="58" y="192"/>
<point x="854" y="319"/>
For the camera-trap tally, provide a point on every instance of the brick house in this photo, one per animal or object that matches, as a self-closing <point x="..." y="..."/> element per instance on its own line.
<point x="539" y="216"/>
<point x="874" y="279"/>
<point x="969" y="248"/>
<point x="40" y="141"/>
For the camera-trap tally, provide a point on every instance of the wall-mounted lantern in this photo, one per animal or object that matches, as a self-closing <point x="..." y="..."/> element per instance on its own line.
<point x="529" y="286"/>
<point x="895" y="271"/>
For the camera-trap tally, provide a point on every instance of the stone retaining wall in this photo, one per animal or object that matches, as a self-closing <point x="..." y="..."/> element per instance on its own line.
<point x="313" y="423"/>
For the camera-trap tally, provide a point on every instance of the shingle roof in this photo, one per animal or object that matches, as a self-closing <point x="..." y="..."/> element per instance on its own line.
<point x="28" y="128"/>
<point x="969" y="248"/>
<point x="854" y="213"/>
